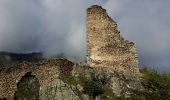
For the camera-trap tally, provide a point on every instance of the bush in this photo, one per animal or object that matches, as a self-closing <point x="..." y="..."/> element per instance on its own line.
<point x="92" y="89"/>
<point x="157" y="87"/>
<point x="158" y="83"/>
<point x="70" y="80"/>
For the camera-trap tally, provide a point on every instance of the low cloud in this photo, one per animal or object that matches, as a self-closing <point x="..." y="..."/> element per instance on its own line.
<point x="58" y="27"/>
<point x="147" y="23"/>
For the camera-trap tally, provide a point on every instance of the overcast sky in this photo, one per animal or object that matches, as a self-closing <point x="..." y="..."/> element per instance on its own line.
<point x="59" y="27"/>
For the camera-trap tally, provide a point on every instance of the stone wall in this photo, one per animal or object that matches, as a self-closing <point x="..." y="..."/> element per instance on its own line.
<point x="46" y="71"/>
<point x="106" y="47"/>
<point x="60" y="79"/>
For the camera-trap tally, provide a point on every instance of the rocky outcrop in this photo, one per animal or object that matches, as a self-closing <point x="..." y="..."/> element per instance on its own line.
<point x="120" y="84"/>
<point x="58" y="90"/>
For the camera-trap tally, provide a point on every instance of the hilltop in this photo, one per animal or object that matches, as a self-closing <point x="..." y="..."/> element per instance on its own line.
<point x="111" y="71"/>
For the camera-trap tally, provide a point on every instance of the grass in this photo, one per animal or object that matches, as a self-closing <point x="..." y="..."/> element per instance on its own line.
<point x="71" y="80"/>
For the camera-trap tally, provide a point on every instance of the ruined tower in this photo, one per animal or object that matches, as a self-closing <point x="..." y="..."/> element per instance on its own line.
<point x="106" y="47"/>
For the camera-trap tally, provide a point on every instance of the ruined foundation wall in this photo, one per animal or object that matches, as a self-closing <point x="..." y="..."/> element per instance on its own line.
<point x="45" y="71"/>
<point x="106" y="48"/>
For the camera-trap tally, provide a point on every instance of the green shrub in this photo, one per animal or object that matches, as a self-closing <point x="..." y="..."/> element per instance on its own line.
<point x="70" y="80"/>
<point x="157" y="87"/>
<point x="158" y="83"/>
<point x="92" y="89"/>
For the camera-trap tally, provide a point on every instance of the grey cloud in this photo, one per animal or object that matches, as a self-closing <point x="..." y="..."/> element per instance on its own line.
<point x="147" y="23"/>
<point x="20" y="24"/>
<point x="59" y="26"/>
<point x="53" y="26"/>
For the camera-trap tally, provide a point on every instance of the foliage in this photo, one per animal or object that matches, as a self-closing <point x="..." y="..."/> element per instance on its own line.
<point x="157" y="86"/>
<point x="108" y="94"/>
<point x="158" y="83"/>
<point x="27" y="88"/>
<point x="71" y="80"/>
<point x="92" y="89"/>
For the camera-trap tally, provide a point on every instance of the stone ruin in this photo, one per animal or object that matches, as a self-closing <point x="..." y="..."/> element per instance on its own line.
<point x="47" y="72"/>
<point x="106" y="47"/>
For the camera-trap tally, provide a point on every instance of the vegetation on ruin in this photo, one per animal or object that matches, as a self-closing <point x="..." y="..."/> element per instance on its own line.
<point x="159" y="83"/>
<point x="157" y="86"/>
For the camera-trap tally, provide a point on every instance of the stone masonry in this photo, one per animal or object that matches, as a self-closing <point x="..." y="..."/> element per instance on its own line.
<point x="106" y="47"/>
<point x="47" y="72"/>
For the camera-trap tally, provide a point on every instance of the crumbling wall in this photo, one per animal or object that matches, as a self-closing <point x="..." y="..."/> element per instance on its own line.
<point x="46" y="71"/>
<point x="106" y="47"/>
